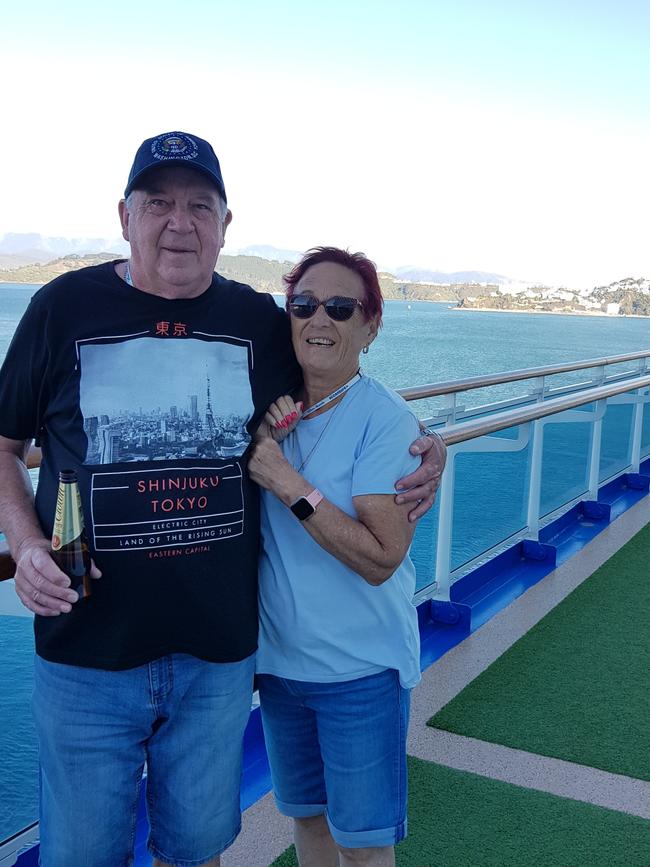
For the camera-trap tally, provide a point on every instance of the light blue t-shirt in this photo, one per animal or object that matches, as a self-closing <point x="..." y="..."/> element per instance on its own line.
<point x="319" y="620"/>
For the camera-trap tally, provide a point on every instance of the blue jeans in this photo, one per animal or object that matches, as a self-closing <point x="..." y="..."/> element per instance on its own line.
<point x="183" y="716"/>
<point x="339" y="749"/>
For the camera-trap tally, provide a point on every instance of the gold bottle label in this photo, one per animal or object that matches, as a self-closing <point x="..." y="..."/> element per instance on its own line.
<point x="68" y="518"/>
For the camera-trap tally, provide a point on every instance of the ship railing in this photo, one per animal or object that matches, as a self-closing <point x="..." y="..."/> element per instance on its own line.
<point x="454" y="418"/>
<point x="528" y="423"/>
<point x="603" y="425"/>
<point x="546" y="382"/>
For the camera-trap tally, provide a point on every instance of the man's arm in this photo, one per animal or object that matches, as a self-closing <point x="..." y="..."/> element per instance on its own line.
<point x="40" y="584"/>
<point x="423" y="484"/>
<point x="283" y="415"/>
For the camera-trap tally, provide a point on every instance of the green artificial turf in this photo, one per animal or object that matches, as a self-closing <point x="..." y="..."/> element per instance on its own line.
<point x="576" y="686"/>
<point x="458" y="819"/>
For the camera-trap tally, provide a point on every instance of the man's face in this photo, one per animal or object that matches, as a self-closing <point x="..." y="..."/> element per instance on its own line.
<point x="176" y="231"/>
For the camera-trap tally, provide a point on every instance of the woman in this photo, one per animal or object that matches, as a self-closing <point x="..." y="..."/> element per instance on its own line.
<point x="339" y="645"/>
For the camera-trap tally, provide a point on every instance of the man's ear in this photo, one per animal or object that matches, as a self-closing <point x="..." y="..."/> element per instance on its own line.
<point x="226" y="222"/>
<point x="124" y="218"/>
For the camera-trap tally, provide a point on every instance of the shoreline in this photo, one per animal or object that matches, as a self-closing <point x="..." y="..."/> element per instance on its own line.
<point x="451" y="306"/>
<point x="552" y="312"/>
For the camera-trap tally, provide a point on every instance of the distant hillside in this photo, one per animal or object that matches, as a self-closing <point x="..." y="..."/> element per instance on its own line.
<point x="628" y="297"/>
<point x="44" y="273"/>
<point x="405" y="290"/>
<point x="264" y="275"/>
<point x="631" y="294"/>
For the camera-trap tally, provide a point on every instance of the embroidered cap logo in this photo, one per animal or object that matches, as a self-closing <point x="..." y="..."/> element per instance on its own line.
<point x="174" y="147"/>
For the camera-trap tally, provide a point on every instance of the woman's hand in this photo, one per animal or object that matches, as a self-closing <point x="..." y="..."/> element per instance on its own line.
<point x="267" y="466"/>
<point x="282" y="417"/>
<point x="423" y="483"/>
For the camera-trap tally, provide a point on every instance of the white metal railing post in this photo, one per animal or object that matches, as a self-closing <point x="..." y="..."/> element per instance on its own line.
<point x="594" y="459"/>
<point x="535" y="487"/>
<point x="599" y="375"/>
<point x="637" y="427"/>
<point x="445" y="525"/>
<point x="450" y="403"/>
<point x="538" y="390"/>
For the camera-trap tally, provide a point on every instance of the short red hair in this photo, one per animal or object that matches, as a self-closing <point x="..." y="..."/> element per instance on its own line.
<point x="373" y="301"/>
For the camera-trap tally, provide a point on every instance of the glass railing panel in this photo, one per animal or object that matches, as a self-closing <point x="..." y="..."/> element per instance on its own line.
<point x="565" y="463"/>
<point x="424" y="547"/>
<point x="645" y="431"/>
<point x="19" y="765"/>
<point x="490" y="499"/>
<point x="616" y="439"/>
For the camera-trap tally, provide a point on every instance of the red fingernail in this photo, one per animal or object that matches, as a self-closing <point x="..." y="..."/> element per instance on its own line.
<point x="300" y="405"/>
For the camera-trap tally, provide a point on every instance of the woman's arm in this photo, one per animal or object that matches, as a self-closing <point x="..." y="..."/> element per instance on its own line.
<point x="373" y="545"/>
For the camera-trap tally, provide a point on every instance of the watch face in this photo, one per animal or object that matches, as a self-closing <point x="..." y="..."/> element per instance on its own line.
<point x="302" y="508"/>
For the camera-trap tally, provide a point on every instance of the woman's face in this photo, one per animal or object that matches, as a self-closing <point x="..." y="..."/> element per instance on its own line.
<point x="323" y="346"/>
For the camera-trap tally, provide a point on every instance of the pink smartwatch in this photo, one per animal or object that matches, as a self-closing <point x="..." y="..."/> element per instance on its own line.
<point x="304" y="507"/>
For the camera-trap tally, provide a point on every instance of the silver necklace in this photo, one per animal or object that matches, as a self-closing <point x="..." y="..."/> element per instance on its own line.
<point x="341" y="391"/>
<point x="295" y="443"/>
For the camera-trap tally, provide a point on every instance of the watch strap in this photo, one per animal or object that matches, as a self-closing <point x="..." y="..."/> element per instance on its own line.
<point x="314" y="498"/>
<point x="304" y="507"/>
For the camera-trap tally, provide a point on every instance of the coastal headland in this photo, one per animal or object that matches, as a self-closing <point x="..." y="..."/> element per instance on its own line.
<point x="629" y="297"/>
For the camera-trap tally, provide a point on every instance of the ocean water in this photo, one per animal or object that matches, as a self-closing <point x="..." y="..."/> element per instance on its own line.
<point x="419" y="343"/>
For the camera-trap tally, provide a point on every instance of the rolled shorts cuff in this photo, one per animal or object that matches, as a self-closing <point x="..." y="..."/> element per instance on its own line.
<point x="300" y="811"/>
<point x="168" y="859"/>
<point x="362" y="839"/>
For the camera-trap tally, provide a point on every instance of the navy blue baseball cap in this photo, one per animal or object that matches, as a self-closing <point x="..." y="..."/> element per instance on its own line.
<point x="176" y="149"/>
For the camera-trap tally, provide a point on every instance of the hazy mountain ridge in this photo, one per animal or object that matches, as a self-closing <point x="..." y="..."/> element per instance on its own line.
<point x="31" y="247"/>
<point x="264" y="275"/>
<point x="425" y="275"/>
<point x="263" y="266"/>
<point x="266" y="251"/>
<point x="20" y="249"/>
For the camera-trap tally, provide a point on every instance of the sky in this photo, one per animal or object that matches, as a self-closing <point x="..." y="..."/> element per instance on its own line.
<point x="510" y="136"/>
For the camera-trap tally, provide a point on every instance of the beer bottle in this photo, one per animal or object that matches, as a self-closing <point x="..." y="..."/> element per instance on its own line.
<point x="69" y="541"/>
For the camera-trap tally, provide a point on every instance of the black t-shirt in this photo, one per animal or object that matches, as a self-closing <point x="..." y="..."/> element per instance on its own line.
<point x="152" y="402"/>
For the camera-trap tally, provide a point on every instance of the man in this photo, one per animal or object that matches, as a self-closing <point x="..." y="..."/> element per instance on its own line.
<point x="146" y="377"/>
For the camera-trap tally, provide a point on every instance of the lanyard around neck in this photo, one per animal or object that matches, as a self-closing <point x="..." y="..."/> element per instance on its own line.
<point x="342" y="389"/>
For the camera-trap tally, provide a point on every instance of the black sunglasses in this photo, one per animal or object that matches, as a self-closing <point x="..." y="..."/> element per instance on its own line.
<point x="338" y="307"/>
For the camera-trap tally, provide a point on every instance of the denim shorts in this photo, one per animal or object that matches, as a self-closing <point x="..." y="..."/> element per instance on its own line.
<point x="183" y="716"/>
<point x="339" y="749"/>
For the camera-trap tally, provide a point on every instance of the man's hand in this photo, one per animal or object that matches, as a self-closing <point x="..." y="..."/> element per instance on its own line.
<point x="424" y="482"/>
<point x="40" y="584"/>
